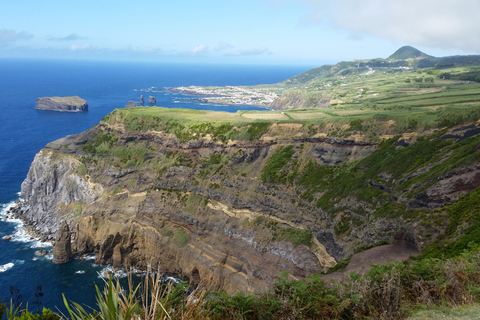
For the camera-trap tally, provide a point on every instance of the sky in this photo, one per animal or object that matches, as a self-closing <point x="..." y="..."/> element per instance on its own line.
<point x="295" y="32"/>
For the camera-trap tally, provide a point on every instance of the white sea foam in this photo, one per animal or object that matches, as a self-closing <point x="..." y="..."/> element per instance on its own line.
<point x="172" y="279"/>
<point x="80" y="272"/>
<point x="6" y="266"/>
<point x="6" y="207"/>
<point x="20" y="234"/>
<point x="90" y="257"/>
<point x="109" y="271"/>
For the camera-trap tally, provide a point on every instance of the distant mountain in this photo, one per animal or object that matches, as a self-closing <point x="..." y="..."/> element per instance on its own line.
<point x="405" y="57"/>
<point x="408" y="52"/>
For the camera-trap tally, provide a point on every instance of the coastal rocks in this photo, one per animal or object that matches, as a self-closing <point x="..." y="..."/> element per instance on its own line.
<point x="62" y="252"/>
<point x="72" y="104"/>
<point x="53" y="184"/>
<point x="131" y="104"/>
<point x="7" y="238"/>
<point x="152" y="100"/>
<point x="141" y="99"/>
<point x="41" y="252"/>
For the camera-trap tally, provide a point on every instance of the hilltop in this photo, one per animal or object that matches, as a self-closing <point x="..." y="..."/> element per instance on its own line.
<point x="408" y="52"/>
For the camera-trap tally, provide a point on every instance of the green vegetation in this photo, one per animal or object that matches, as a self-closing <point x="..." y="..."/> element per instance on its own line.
<point x="294" y="236"/>
<point x="462" y="232"/>
<point x="272" y="172"/>
<point x="189" y="124"/>
<point x="394" y="291"/>
<point x="180" y="237"/>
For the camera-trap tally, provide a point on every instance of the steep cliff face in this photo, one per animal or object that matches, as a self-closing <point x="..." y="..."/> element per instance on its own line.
<point x="52" y="183"/>
<point x="232" y="215"/>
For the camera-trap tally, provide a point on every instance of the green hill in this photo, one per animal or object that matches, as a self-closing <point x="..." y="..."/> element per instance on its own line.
<point x="408" y="52"/>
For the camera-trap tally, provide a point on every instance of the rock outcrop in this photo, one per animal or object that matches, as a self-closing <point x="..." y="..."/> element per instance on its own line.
<point x="202" y="208"/>
<point x="141" y="99"/>
<point x="62" y="253"/>
<point x="54" y="182"/>
<point x="72" y="104"/>
<point x="152" y="100"/>
<point x="131" y="103"/>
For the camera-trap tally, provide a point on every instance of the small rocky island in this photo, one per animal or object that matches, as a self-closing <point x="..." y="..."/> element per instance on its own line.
<point x="72" y="104"/>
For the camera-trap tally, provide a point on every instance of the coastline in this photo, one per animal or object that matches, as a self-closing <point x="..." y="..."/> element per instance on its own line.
<point x="227" y="95"/>
<point x="11" y="215"/>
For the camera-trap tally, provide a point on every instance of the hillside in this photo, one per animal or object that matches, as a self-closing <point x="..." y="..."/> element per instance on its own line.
<point x="371" y="84"/>
<point x="230" y="202"/>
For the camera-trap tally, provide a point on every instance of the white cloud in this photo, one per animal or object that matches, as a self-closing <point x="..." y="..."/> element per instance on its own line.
<point x="70" y="37"/>
<point x="79" y="47"/>
<point x="249" y="52"/>
<point x="8" y="36"/>
<point x="199" y="49"/>
<point x="445" y="24"/>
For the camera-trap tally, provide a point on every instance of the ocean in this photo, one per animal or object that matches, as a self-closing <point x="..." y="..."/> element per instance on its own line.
<point x="25" y="130"/>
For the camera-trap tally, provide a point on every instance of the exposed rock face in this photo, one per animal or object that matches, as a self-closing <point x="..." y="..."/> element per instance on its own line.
<point x="199" y="208"/>
<point x="152" y="100"/>
<point x="72" y="104"/>
<point x="52" y="182"/>
<point x="62" y="253"/>
<point x="141" y="99"/>
<point x="131" y="104"/>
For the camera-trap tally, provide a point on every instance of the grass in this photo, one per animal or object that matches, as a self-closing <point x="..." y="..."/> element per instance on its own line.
<point x="273" y="172"/>
<point x="459" y="313"/>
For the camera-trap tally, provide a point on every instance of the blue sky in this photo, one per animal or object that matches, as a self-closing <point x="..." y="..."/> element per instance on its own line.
<point x="310" y="32"/>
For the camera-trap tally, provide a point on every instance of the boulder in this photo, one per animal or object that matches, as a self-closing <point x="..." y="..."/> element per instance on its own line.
<point x="62" y="253"/>
<point x="152" y="100"/>
<point x="72" y="104"/>
<point x="41" y="252"/>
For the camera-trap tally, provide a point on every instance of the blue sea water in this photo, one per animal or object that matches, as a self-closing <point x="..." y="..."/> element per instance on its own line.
<point x="25" y="130"/>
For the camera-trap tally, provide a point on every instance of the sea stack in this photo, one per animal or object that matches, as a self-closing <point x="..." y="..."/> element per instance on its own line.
<point x="141" y="99"/>
<point x="62" y="253"/>
<point x="71" y="104"/>
<point x="152" y="100"/>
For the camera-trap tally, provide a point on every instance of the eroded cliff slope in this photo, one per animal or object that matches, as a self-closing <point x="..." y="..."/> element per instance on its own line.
<point x="231" y="204"/>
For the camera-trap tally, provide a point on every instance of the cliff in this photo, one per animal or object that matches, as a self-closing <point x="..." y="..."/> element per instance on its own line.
<point x="230" y="205"/>
<point x="72" y="104"/>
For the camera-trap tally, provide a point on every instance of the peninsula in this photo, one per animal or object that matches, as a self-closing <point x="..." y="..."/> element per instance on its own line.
<point x="71" y="104"/>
